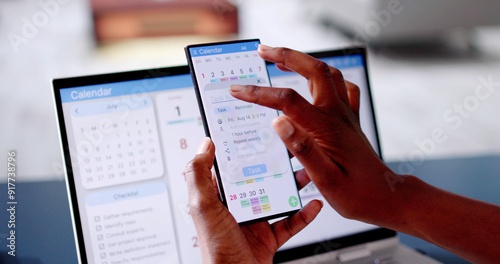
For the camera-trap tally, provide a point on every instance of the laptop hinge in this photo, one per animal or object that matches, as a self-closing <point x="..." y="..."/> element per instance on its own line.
<point x="354" y="254"/>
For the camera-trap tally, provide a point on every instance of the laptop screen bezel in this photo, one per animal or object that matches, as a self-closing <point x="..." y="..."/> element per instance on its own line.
<point x="281" y="256"/>
<point x="72" y="82"/>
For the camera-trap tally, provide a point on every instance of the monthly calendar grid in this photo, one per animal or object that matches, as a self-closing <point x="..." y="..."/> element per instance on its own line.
<point x="117" y="145"/>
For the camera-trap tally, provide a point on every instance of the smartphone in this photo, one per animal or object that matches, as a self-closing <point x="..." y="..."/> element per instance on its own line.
<point x="252" y="165"/>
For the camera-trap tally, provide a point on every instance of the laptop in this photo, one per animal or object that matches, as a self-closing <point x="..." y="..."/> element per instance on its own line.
<point x="126" y="138"/>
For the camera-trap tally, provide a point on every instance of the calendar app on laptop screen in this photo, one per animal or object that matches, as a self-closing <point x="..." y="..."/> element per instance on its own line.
<point x="126" y="139"/>
<point x="129" y="143"/>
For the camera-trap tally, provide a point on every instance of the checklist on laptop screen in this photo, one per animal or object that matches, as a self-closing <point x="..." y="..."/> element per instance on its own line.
<point x="126" y="140"/>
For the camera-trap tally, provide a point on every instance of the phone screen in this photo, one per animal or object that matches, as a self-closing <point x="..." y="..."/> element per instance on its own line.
<point x="252" y="165"/>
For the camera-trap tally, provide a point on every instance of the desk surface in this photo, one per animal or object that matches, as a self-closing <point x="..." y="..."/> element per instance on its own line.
<point x="44" y="233"/>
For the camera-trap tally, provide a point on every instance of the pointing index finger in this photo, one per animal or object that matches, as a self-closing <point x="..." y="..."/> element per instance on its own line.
<point x="317" y="72"/>
<point x="284" y="99"/>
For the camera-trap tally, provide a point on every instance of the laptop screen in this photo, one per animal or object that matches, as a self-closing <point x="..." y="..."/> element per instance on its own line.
<point x="126" y="139"/>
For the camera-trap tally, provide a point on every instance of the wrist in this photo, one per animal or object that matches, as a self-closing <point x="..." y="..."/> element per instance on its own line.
<point x="405" y="203"/>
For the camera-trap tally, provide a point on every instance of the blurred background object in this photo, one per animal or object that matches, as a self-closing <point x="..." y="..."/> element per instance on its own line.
<point x="404" y="21"/>
<point x="417" y="88"/>
<point x="121" y="19"/>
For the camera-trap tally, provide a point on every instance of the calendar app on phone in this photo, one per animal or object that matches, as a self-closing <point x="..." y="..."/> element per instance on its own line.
<point x="251" y="162"/>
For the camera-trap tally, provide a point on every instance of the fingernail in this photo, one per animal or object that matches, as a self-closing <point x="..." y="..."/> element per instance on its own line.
<point x="322" y="203"/>
<point x="204" y="146"/>
<point x="283" y="127"/>
<point x="263" y="47"/>
<point x="236" y="88"/>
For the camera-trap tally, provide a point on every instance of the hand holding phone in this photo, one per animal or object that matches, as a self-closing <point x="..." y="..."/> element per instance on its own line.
<point x="252" y="165"/>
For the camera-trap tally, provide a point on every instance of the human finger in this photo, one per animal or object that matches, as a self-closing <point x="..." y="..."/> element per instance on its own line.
<point x="199" y="177"/>
<point x="340" y="85"/>
<point x="282" y="67"/>
<point x="302" y="178"/>
<point x="215" y="185"/>
<point x="307" y="151"/>
<point x="354" y="94"/>
<point x="285" y="229"/>
<point x="315" y="71"/>
<point x="284" y="99"/>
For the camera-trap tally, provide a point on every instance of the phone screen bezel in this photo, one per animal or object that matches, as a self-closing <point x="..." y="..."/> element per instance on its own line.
<point x="207" y="129"/>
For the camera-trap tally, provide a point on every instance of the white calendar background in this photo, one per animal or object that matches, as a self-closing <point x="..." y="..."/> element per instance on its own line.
<point x="122" y="142"/>
<point x="116" y="142"/>
<point x="181" y="131"/>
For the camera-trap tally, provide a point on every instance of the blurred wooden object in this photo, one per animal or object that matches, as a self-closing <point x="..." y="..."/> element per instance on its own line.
<point x="123" y="19"/>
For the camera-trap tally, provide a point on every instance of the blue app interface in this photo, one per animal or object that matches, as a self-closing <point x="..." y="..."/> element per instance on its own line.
<point x="254" y="166"/>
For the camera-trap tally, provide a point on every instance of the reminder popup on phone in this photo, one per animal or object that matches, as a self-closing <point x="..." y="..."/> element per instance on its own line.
<point x="249" y="145"/>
